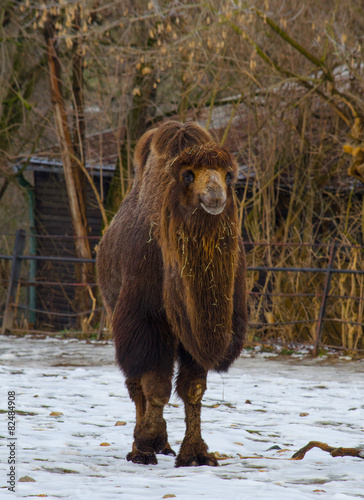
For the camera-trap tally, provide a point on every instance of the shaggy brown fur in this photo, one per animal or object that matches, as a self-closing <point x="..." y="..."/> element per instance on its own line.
<point x="171" y="270"/>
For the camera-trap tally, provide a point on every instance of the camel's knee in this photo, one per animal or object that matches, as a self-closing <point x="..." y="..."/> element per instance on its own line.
<point x="156" y="388"/>
<point x="196" y="392"/>
<point x="191" y="391"/>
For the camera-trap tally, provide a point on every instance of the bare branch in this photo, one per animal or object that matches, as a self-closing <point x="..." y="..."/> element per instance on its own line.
<point x="334" y="452"/>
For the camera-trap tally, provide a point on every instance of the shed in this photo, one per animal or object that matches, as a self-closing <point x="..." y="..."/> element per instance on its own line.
<point x="53" y="299"/>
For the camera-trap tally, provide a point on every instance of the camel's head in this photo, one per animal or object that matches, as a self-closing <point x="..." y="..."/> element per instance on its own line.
<point x="205" y="176"/>
<point x="208" y="188"/>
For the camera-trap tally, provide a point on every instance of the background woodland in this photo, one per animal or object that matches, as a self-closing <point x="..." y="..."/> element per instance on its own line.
<point x="280" y="83"/>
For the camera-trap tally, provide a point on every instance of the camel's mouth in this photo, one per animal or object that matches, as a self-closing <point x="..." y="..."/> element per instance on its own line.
<point x="213" y="210"/>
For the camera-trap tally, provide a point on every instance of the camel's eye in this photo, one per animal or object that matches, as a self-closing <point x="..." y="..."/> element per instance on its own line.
<point x="229" y="178"/>
<point x="188" y="176"/>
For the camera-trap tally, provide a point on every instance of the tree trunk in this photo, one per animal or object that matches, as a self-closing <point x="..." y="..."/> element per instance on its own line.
<point x="75" y="187"/>
<point x="77" y="88"/>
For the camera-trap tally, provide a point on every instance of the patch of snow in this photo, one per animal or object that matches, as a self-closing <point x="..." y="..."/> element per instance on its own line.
<point x="266" y="355"/>
<point x="292" y="402"/>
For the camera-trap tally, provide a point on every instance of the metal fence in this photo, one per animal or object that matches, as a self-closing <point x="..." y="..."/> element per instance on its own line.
<point x="261" y="288"/>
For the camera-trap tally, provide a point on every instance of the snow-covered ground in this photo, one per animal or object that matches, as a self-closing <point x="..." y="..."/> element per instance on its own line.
<point x="255" y="417"/>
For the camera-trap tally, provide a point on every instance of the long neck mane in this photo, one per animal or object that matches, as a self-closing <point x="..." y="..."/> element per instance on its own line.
<point x="200" y="255"/>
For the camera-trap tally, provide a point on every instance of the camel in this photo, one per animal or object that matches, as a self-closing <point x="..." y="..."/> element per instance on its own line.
<point x="171" y="270"/>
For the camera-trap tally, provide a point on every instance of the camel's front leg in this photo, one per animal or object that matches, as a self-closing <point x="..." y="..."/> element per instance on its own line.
<point x="191" y="385"/>
<point x="150" y="394"/>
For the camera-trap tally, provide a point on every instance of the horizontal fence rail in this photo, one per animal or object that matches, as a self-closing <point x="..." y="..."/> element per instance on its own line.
<point x="304" y="270"/>
<point x="54" y="258"/>
<point x="15" y="282"/>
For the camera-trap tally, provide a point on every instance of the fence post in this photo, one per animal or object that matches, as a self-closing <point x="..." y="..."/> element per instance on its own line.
<point x="320" y="321"/>
<point x="13" y="280"/>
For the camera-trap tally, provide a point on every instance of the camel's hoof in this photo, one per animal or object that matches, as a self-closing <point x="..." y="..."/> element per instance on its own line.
<point x="142" y="457"/>
<point x="167" y="450"/>
<point x="197" y="460"/>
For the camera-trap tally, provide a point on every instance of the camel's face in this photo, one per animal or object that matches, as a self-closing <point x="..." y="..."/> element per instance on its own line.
<point x="207" y="188"/>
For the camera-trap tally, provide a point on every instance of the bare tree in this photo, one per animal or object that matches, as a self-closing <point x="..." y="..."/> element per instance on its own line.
<point x="71" y="160"/>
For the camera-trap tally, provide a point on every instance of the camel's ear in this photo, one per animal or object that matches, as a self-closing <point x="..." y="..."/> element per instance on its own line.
<point x="234" y="167"/>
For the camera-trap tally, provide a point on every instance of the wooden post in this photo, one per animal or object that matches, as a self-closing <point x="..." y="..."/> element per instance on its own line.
<point x="325" y="293"/>
<point x="13" y="281"/>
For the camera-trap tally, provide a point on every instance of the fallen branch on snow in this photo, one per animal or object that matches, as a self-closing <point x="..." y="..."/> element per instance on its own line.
<point x="334" y="452"/>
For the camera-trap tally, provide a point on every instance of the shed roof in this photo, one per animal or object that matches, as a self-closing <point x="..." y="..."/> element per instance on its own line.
<point x="102" y="152"/>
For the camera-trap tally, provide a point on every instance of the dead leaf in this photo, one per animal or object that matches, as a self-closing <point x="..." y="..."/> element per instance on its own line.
<point x="26" y="479"/>
<point x="119" y="422"/>
<point x="220" y="456"/>
<point x="304" y="414"/>
<point x="105" y="444"/>
<point x="55" y="414"/>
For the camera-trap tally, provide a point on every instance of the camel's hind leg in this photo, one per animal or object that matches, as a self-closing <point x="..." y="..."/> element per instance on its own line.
<point x="150" y="394"/>
<point x="191" y="385"/>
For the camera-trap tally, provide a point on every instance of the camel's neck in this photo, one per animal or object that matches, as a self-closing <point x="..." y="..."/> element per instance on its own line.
<point x="201" y="256"/>
<point x="206" y="256"/>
